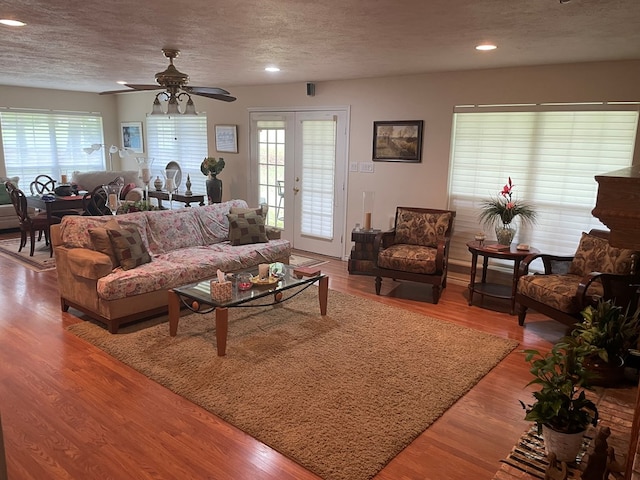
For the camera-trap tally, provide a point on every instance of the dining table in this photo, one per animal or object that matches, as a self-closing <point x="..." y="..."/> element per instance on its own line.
<point x="52" y="204"/>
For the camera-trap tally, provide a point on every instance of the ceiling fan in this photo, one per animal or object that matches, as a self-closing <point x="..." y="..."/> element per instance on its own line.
<point x="175" y="83"/>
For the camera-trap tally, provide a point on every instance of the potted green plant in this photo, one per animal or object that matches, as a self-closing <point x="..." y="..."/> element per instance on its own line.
<point x="499" y="212"/>
<point x="608" y="333"/>
<point x="561" y="409"/>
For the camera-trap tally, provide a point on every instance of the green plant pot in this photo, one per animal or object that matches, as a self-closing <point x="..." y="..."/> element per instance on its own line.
<point x="565" y="446"/>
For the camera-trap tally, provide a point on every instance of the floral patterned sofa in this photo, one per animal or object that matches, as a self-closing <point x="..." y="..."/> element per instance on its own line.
<point x="118" y="269"/>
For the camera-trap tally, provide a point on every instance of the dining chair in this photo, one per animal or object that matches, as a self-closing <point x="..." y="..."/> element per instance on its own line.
<point x="30" y="223"/>
<point x="42" y="184"/>
<point x="96" y="202"/>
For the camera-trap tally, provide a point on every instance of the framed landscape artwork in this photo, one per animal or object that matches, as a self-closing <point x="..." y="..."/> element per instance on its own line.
<point x="131" y="136"/>
<point x="398" y="141"/>
<point x="227" y="138"/>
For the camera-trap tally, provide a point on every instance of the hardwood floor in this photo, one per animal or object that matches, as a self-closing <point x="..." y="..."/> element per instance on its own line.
<point x="70" y="411"/>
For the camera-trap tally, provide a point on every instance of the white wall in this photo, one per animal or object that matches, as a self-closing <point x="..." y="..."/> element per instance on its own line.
<point x="429" y="97"/>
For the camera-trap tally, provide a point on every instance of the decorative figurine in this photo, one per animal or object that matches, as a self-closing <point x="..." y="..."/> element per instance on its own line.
<point x="187" y="192"/>
<point x="158" y="183"/>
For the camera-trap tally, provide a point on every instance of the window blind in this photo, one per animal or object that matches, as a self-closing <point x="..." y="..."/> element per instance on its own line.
<point x="50" y="143"/>
<point x="181" y="139"/>
<point x="552" y="158"/>
<point x="318" y="177"/>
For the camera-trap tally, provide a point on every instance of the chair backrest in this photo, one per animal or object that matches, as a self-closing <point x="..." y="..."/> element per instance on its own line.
<point x="95" y="203"/>
<point x="422" y="226"/>
<point x="280" y="184"/>
<point x="19" y="200"/>
<point x="42" y="184"/>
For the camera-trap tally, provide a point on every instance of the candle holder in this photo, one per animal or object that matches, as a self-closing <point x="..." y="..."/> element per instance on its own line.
<point x="367" y="207"/>
<point x="113" y="191"/>
<point x="144" y="173"/>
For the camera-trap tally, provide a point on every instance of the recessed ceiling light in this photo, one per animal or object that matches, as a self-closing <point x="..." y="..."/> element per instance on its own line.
<point x="272" y="69"/>
<point x="12" y="23"/>
<point x="121" y="82"/>
<point x="486" y="47"/>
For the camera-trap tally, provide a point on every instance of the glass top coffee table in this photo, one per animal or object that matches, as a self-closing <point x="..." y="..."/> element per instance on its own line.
<point x="197" y="298"/>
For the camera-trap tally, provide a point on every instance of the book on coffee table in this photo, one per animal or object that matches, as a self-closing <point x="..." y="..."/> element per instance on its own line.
<point x="496" y="247"/>
<point x="306" y="272"/>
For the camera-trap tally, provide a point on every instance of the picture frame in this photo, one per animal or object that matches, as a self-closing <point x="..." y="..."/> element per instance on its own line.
<point x="226" y="138"/>
<point x="398" y="141"/>
<point x="131" y="136"/>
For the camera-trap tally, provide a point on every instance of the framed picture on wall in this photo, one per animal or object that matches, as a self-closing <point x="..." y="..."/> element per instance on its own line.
<point x="227" y="138"/>
<point x="131" y="136"/>
<point x="399" y="141"/>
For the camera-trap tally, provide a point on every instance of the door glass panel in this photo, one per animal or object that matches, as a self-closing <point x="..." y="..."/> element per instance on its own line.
<point x="271" y="158"/>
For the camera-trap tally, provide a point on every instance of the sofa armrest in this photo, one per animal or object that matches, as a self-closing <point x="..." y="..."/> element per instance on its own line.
<point x="89" y="264"/>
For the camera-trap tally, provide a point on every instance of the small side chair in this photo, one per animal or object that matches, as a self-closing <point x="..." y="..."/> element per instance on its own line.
<point x="416" y="249"/>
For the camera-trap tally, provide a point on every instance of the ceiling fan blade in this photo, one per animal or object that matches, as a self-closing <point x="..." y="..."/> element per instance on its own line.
<point x="216" y="96"/>
<point x="133" y="88"/>
<point x="137" y="86"/>
<point x="201" y="90"/>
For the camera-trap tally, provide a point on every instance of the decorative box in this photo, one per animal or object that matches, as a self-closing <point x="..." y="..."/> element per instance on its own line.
<point x="221" y="292"/>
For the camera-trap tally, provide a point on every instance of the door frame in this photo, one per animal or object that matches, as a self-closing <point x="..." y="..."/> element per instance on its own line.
<point x="252" y="187"/>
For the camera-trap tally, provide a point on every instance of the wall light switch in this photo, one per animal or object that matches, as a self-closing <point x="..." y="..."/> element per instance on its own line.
<point x="353" y="166"/>
<point x="366" y="167"/>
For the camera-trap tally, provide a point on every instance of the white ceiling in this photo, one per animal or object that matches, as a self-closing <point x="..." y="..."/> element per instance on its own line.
<point x="88" y="45"/>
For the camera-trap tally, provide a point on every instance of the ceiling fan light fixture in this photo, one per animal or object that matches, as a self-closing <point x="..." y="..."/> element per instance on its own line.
<point x="172" y="107"/>
<point x="157" y="108"/>
<point x="190" y="109"/>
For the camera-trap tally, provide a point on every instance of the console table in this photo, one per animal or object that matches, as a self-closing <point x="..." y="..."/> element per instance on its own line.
<point x="178" y="197"/>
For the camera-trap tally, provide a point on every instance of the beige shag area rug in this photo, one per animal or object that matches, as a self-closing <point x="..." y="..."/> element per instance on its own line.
<point x="40" y="262"/>
<point x="341" y="395"/>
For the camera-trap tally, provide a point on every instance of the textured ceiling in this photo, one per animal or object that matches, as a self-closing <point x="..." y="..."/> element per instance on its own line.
<point x="88" y="45"/>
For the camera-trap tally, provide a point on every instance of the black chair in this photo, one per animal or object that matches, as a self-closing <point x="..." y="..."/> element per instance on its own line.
<point x="29" y="223"/>
<point x="42" y="184"/>
<point x="95" y="203"/>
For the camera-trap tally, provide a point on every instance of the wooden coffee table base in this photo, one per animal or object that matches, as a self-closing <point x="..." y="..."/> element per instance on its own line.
<point x="222" y="314"/>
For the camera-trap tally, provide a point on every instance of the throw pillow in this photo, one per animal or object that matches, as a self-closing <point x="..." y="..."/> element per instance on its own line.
<point x="420" y="228"/>
<point x="128" y="247"/>
<point x="258" y="210"/>
<point x="5" y="199"/>
<point x="246" y="228"/>
<point x="594" y="254"/>
<point x="101" y="242"/>
<point x="126" y="189"/>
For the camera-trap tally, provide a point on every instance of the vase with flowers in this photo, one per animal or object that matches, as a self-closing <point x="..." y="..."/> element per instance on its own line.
<point x="211" y="167"/>
<point x="501" y="211"/>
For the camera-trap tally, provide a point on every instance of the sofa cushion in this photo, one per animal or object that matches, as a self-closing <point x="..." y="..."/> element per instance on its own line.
<point x="409" y="258"/>
<point x="557" y="290"/>
<point x="4" y="195"/>
<point x="128" y="247"/>
<point x="419" y="228"/>
<point x="594" y="254"/>
<point x="213" y="220"/>
<point x="246" y="228"/>
<point x="173" y="229"/>
<point x="74" y="230"/>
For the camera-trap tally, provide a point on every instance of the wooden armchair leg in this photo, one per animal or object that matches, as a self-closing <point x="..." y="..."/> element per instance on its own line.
<point x="436" y="294"/>
<point x="522" y="313"/>
<point x="378" y="285"/>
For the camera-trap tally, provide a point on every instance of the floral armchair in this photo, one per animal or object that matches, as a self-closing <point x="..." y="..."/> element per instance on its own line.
<point x="571" y="283"/>
<point x="416" y="249"/>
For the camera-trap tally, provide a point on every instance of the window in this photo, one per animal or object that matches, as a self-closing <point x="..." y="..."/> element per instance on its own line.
<point x="181" y="139"/>
<point x="552" y="158"/>
<point x="51" y="143"/>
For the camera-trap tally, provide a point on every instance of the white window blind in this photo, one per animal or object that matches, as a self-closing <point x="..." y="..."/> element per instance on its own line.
<point x="49" y="143"/>
<point x="181" y="139"/>
<point x="318" y="177"/>
<point x="552" y="158"/>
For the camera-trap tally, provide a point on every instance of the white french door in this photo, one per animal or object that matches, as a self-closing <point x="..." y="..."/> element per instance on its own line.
<point x="298" y="169"/>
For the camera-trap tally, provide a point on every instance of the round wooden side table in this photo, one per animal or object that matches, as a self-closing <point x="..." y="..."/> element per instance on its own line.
<point x="491" y="250"/>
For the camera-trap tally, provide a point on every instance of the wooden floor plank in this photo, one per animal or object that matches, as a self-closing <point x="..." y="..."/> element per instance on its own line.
<point x="70" y="411"/>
